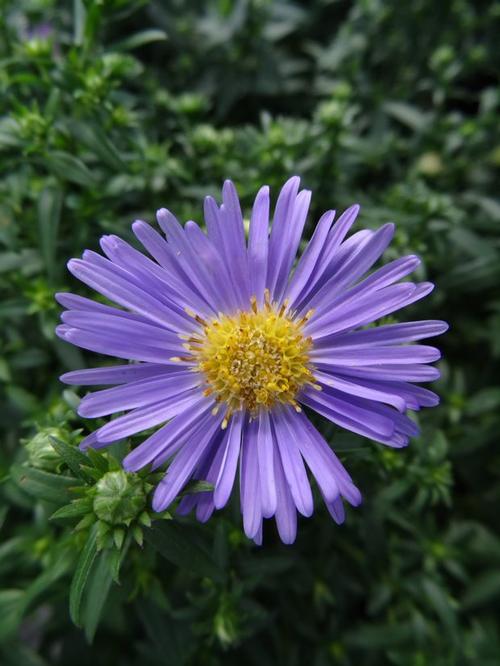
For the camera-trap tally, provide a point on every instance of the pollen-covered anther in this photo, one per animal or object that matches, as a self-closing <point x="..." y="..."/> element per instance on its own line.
<point x="255" y="359"/>
<point x="195" y="316"/>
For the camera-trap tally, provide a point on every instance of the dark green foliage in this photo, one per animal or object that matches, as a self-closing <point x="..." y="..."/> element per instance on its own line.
<point x="110" y="110"/>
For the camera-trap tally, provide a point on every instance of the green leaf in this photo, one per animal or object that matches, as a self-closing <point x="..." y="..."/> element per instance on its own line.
<point x="170" y="636"/>
<point x="118" y="537"/>
<point x="43" y="485"/>
<point x="9" y="133"/>
<point x="49" y="215"/>
<point x="80" y="15"/>
<point x="486" y="401"/>
<point x="72" y="456"/>
<point x="377" y="636"/>
<point x="92" y="472"/>
<point x="442" y="605"/>
<point x="408" y="115"/>
<point x="45" y="580"/>
<point x="141" y="39"/>
<point x="81" y="575"/>
<point x="10" y="601"/>
<point x="22" y="655"/>
<point x="104" y="572"/>
<point x="94" y="137"/>
<point x="76" y="508"/>
<point x="173" y="542"/>
<point x="197" y="487"/>
<point x="116" y="558"/>
<point x="27" y="262"/>
<point x="98" y="460"/>
<point x="482" y="590"/>
<point x="69" y="167"/>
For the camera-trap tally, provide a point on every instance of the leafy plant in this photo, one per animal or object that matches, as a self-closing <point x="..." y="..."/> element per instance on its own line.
<point x="110" y="110"/>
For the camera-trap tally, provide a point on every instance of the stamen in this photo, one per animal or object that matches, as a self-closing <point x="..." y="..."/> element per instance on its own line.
<point x="190" y="338"/>
<point x="195" y="316"/>
<point x="254" y="359"/>
<point x="284" y="307"/>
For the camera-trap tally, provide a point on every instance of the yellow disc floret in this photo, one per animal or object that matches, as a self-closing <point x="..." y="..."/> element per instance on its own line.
<point x="254" y="359"/>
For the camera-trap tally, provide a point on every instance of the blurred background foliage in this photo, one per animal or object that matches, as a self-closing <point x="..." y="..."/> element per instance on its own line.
<point x="110" y="109"/>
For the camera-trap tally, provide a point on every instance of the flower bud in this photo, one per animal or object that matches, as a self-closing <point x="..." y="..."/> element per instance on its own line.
<point x="41" y="453"/>
<point x="119" y="498"/>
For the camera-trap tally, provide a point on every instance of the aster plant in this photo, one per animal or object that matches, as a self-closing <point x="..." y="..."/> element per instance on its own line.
<point x="229" y="338"/>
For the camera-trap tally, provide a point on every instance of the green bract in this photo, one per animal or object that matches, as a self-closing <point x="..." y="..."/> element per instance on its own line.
<point x="41" y="453"/>
<point x="119" y="498"/>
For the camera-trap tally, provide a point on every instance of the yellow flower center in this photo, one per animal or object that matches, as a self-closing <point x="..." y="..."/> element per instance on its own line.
<point x="254" y="359"/>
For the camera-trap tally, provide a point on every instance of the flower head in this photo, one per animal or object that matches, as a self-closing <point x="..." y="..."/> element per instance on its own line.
<point x="229" y="337"/>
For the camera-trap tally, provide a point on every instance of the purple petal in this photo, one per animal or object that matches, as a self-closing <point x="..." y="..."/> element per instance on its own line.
<point x="355" y="267"/>
<point x="290" y="242"/>
<point x="234" y="236"/>
<point x="415" y="396"/>
<point x="336" y="510"/>
<point x="232" y="444"/>
<point x="286" y="514"/>
<point x="168" y="439"/>
<point x="402" y="424"/>
<point x="74" y="302"/>
<point x="168" y="280"/>
<point x="388" y="334"/>
<point x="104" y="324"/>
<point x="265" y="455"/>
<point x="121" y="346"/>
<point x="160" y="250"/>
<point x="301" y="277"/>
<point x="216" y="268"/>
<point x="189" y="261"/>
<point x="115" y="285"/>
<point x="217" y="235"/>
<point x="250" y="496"/>
<point x="293" y="465"/>
<point x="322" y="469"/>
<point x="346" y="252"/>
<point x="205" y="501"/>
<point x="206" y="470"/>
<point x="363" y="390"/>
<point x="91" y="442"/>
<point x="337" y="294"/>
<point x="258" y="244"/>
<point x="146" y="417"/>
<point x="362" y="311"/>
<point x="282" y="218"/>
<point x="334" y="252"/>
<point x="117" y="374"/>
<point x="327" y="469"/>
<point x="362" y="356"/>
<point x="136" y="394"/>
<point x="348" y="415"/>
<point x="181" y="469"/>
<point x="257" y="539"/>
<point x="405" y="373"/>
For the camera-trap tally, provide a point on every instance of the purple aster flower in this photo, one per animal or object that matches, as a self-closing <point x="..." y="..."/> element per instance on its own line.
<point x="43" y="30"/>
<point x="228" y="337"/>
